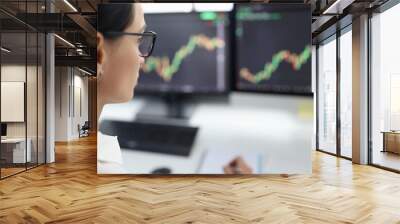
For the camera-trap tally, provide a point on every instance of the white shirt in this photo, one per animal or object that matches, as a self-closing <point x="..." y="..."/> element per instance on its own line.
<point x="109" y="157"/>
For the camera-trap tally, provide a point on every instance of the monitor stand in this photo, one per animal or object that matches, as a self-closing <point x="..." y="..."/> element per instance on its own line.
<point x="172" y="109"/>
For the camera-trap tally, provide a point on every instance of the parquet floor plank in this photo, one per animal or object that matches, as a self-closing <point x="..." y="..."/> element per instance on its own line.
<point x="70" y="191"/>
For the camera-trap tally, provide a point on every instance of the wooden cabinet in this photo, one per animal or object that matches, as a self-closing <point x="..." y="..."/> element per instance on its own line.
<point x="391" y="142"/>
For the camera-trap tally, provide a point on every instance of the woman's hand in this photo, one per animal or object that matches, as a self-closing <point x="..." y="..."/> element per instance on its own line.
<point x="237" y="166"/>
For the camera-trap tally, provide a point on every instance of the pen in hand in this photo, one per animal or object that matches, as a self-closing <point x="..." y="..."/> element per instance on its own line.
<point x="237" y="166"/>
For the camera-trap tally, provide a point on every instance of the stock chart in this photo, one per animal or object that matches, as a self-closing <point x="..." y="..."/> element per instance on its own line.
<point x="273" y="48"/>
<point x="189" y="55"/>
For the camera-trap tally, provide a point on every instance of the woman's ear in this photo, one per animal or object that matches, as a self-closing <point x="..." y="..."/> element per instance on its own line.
<point x="101" y="54"/>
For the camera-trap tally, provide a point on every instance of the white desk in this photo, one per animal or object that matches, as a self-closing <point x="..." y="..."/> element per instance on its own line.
<point x="270" y="126"/>
<point x="19" y="155"/>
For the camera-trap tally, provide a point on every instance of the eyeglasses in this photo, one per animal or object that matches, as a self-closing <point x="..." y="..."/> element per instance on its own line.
<point x="146" y="41"/>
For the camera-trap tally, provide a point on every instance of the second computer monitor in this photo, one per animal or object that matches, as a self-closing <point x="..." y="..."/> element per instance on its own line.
<point x="273" y="45"/>
<point x="190" y="54"/>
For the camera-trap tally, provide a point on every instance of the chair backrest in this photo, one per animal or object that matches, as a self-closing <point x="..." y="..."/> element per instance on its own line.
<point x="86" y="125"/>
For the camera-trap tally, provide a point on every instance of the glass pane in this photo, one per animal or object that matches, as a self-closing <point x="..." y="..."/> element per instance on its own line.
<point x="346" y="94"/>
<point x="327" y="96"/>
<point x="32" y="98"/>
<point x="32" y="86"/>
<point x="14" y="152"/>
<point x="386" y="89"/>
<point x="41" y="99"/>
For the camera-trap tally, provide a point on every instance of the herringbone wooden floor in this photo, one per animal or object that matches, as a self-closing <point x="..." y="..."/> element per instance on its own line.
<point x="70" y="191"/>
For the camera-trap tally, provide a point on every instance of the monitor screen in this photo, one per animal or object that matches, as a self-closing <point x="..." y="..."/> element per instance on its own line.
<point x="189" y="54"/>
<point x="273" y="48"/>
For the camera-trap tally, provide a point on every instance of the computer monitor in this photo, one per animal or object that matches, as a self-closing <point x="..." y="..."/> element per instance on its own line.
<point x="273" y="48"/>
<point x="190" y="54"/>
<point x="3" y="129"/>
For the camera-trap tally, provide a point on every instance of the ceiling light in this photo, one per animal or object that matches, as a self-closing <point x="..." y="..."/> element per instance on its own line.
<point x="65" y="41"/>
<point x="84" y="71"/>
<point x="70" y="5"/>
<point x="5" y="50"/>
<point x="337" y="7"/>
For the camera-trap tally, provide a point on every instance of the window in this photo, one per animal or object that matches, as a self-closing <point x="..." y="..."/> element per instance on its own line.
<point x="385" y="89"/>
<point x="346" y="93"/>
<point x="327" y="95"/>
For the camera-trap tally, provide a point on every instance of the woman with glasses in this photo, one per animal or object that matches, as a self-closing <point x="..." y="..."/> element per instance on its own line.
<point x="122" y="46"/>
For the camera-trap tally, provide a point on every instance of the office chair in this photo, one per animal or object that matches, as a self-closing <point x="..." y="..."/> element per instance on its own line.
<point x="84" y="130"/>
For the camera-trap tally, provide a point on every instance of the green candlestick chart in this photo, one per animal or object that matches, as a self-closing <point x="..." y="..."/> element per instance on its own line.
<point x="166" y="69"/>
<point x="248" y="14"/>
<point x="296" y="60"/>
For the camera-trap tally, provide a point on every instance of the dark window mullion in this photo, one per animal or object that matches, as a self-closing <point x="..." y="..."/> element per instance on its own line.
<point x="0" y="96"/>
<point x="338" y="98"/>
<point x="317" y="95"/>
<point x="369" y="91"/>
<point x="26" y="88"/>
<point x="37" y="91"/>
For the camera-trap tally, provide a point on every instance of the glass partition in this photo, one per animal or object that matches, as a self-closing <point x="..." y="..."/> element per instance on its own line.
<point x="22" y="89"/>
<point x="15" y="149"/>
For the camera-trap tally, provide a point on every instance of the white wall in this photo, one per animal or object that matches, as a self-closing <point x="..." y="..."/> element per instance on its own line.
<point x="82" y="82"/>
<point x="70" y="83"/>
<point x="80" y="94"/>
<point x="61" y="103"/>
<point x="12" y="73"/>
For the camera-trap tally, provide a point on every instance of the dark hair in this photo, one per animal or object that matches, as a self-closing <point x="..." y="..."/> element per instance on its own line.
<point x="115" y="17"/>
